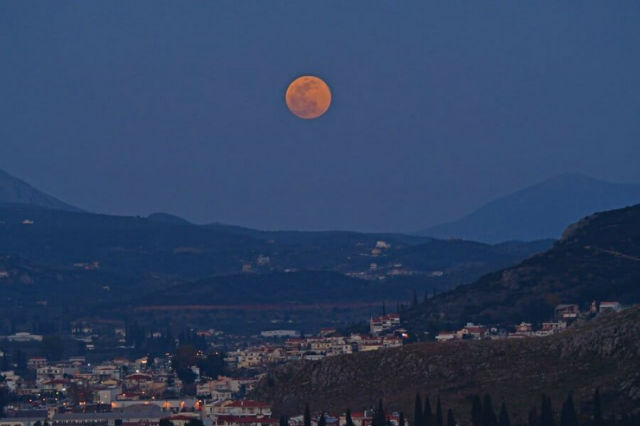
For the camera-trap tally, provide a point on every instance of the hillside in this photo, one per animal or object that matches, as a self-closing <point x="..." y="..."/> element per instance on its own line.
<point x="540" y="211"/>
<point x="602" y="353"/>
<point x="285" y="288"/>
<point x="598" y="258"/>
<point x="14" y="190"/>
<point x="135" y="249"/>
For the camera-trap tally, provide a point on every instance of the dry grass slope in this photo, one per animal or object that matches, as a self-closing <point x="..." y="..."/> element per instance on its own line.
<point x="604" y="353"/>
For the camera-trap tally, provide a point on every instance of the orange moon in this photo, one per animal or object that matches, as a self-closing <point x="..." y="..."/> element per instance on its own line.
<point x="308" y="97"/>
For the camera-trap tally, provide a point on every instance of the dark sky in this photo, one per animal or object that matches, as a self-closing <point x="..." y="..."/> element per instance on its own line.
<point x="134" y="107"/>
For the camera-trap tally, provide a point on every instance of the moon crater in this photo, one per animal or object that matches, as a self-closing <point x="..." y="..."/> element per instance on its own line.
<point x="308" y="97"/>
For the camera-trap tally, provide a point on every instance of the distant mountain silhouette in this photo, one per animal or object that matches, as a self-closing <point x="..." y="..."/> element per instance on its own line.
<point x="16" y="191"/>
<point x="539" y="211"/>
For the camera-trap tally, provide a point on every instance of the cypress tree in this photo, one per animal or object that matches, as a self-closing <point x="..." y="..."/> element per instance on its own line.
<point x="488" y="414"/>
<point x="307" y="416"/>
<point x="349" y="420"/>
<point x="451" y="421"/>
<point x="546" y="412"/>
<point x="439" y="418"/>
<point x="323" y="420"/>
<point x="379" y="419"/>
<point x="533" y="417"/>
<point x="504" y="416"/>
<point x="568" y="416"/>
<point x="417" y="412"/>
<point x="427" y="416"/>
<point x="597" y="408"/>
<point x="476" y="411"/>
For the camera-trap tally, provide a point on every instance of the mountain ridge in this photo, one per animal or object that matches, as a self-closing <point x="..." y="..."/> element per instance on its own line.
<point x="17" y="191"/>
<point x="598" y="258"/>
<point x="539" y="211"/>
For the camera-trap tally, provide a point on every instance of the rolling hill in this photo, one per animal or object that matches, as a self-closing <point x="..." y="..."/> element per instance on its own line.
<point x="602" y="353"/>
<point x="139" y="250"/>
<point x="598" y="258"/>
<point x="540" y="211"/>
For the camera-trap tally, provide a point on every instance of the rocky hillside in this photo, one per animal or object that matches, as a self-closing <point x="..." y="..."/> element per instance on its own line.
<point x="598" y="258"/>
<point x="603" y="353"/>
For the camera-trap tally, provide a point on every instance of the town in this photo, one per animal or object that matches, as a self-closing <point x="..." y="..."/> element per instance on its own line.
<point x="199" y="383"/>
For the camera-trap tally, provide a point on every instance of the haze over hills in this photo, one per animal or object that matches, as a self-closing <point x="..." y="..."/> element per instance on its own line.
<point x="598" y="258"/>
<point x="133" y="261"/>
<point x="539" y="211"/>
<point x="14" y="190"/>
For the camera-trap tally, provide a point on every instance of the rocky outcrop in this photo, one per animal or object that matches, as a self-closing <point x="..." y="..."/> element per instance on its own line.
<point x="604" y="353"/>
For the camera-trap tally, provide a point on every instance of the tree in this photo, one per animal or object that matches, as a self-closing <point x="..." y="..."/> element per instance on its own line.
<point x="307" y="416"/>
<point x="4" y="399"/>
<point x="439" y="412"/>
<point x="21" y="360"/>
<point x="194" y="422"/>
<point x="427" y="416"/>
<point x="417" y="412"/>
<point x="546" y="412"/>
<point x="597" y="408"/>
<point x="349" y="420"/>
<point x="488" y="414"/>
<point x="165" y="422"/>
<point x="476" y="411"/>
<point x="533" y="417"/>
<point x="183" y="359"/>
<point x="213" y="365"/>
<point x="379" y="418"/>
<point x="504" y="416"/>
<point x="401" y="421"/>
<point x="451" y="421"/>
<point x="568" y="416"/>
<point x="284" y="421"/>
<point x="322" y="421"/>
<point x="52" y="348"/>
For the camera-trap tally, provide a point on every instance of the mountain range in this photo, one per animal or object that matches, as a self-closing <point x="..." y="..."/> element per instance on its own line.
<point x="597" y="258"/>
<point x="539" y="211"/>
<point x="14" y="190"/>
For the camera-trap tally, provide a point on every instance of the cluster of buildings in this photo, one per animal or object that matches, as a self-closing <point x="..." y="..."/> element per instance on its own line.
<point x="121" y="392"/>
<point x="564" y="315"/>
<point x="287" y="345"/>
<point x="105" y="383"/>
<point x="308" y="348"/>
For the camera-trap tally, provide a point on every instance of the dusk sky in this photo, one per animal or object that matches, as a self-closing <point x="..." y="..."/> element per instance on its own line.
<point x="139" y="107"/>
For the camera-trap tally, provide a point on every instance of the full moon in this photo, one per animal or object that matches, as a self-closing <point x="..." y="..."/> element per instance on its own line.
<point x="308" y="97"/>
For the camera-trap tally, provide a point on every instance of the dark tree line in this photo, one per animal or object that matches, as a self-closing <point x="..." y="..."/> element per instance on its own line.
<point x="423" y="415"/>
<point x="483" y="413"/>
<point x="568" y="415"/>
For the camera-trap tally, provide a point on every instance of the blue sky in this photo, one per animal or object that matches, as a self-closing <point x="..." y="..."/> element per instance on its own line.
<point x="136" y="107"/>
